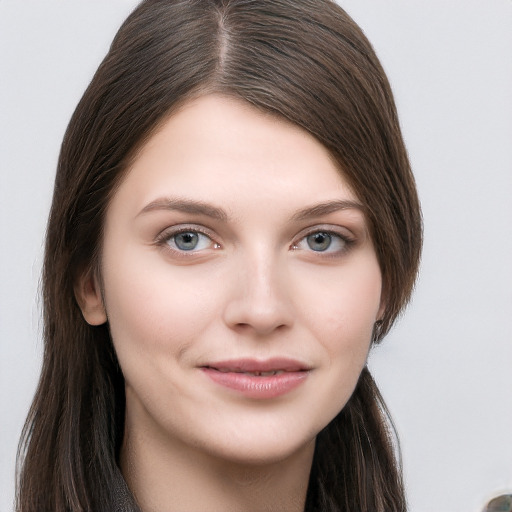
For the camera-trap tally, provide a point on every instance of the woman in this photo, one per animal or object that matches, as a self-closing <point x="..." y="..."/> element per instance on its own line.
<point x="234" y="222"/>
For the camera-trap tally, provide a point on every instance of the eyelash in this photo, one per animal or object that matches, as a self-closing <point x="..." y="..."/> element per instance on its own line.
<point x="165" y="236"/>
<point x="346" y="240"/>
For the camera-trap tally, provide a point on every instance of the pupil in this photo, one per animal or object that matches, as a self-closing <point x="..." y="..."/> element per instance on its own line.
<point x="319" y="241"/>
<point x="186" y="241"/>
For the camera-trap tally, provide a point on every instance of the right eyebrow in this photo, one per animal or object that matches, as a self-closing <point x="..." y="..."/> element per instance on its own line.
<point x="185" y="206"/>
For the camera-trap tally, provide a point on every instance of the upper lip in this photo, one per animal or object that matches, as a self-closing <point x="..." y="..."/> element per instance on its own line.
<point x="255" y="365"/>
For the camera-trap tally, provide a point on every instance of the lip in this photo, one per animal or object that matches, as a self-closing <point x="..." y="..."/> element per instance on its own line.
<point x="241" y="376"/>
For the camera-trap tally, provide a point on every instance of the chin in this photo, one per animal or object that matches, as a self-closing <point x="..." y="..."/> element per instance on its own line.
<point x="265" y="452"/>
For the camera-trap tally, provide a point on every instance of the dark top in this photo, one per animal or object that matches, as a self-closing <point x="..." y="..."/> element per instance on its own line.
<point x="122" y="497"/>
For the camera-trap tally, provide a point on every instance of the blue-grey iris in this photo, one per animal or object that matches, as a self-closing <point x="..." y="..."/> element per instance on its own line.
<point x="186" y="241"/>
<point x="319" y="241"/>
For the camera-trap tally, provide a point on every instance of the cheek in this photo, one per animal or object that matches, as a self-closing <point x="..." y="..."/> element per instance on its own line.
<point x="154" y="307"/>
<point x="342" y="307"/>
<point x="341" y="318"/>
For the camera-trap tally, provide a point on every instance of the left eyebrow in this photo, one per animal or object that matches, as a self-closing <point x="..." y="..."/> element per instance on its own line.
<point x="321" y="209"/>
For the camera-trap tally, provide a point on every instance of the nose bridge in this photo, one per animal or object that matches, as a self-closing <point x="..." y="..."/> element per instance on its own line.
<point x="263" y="281"/>
<point x="260" y="300"/>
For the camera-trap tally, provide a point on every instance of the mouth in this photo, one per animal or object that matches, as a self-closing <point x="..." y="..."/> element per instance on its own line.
<point x="258" y="379"/>
<point x="256" y="368"/>
<point x="253" y="373"/>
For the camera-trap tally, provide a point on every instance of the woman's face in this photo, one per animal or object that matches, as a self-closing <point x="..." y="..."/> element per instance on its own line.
<point x="240" y="284"/>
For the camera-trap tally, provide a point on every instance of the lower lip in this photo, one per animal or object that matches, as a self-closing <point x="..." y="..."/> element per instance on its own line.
<point x="270" y="386"/>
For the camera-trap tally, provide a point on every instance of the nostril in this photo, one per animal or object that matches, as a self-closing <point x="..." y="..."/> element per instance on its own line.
<point x="260" y="327"/>
<point x="258" y="305"/>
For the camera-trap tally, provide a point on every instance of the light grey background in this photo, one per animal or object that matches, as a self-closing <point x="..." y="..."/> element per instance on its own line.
<point x="446" y="368"/>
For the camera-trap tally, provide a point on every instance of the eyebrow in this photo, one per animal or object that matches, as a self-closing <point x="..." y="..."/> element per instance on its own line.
<point x="208" y="210"/>
<point x="186" y="206"/>
<point x="325" y="208"/>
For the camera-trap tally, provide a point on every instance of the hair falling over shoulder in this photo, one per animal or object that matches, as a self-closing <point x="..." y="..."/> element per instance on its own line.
<point x="303" y="60"/>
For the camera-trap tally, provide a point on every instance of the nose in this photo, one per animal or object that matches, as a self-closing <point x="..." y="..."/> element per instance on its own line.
<point x="260" y="298"/>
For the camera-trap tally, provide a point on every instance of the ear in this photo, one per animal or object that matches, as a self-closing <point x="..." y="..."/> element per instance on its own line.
<point x="89" y="298"/>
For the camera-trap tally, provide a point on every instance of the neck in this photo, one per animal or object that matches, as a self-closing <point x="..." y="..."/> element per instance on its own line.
<point x="165" y="476"/>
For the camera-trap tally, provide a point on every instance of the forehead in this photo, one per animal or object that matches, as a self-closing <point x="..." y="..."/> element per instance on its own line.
<point x="224" y="150"/>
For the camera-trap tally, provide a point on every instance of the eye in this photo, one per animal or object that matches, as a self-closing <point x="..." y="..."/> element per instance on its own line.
<point x="188" y="241"/>
<point x="323" y="242"/>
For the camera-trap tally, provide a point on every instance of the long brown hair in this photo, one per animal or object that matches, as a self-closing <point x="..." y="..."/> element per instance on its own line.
<point x="303" y="60"/>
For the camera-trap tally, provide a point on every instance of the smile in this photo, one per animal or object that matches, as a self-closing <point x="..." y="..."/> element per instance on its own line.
<point x="258" y="379"/>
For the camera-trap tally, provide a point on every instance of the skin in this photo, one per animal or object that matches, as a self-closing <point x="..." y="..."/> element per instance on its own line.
<point x="252" y="288"/>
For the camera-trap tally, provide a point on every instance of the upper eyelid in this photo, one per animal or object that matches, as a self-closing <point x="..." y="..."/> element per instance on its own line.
<point x="170" y="231"/>
<point x="340" y="231"/>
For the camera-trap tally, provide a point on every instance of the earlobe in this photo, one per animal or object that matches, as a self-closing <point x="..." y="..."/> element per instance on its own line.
<point x="89" y="298"/>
